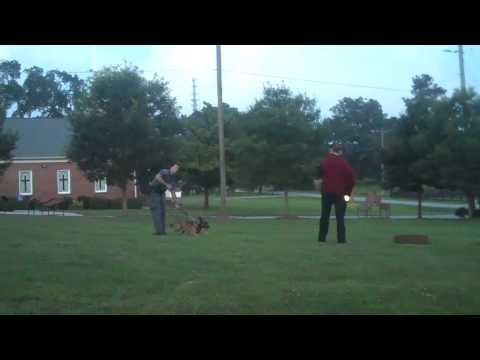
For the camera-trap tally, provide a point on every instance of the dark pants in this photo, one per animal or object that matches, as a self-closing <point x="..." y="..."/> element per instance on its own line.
<point x="340" y="207"/>
<point x="157" y="209"/>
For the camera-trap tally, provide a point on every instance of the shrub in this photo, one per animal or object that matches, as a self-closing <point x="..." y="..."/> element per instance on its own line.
<point x="77" y="205"/>
<point x="12" y="204"/>
<point x="66" y="204"/>
<point x="6" y="204"/>
<point x="98" y="203"/>
<point x="463" y="212"/>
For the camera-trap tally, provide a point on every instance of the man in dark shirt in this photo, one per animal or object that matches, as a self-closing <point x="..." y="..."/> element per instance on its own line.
<point x="162" y="181"/>
<point x="338" y="181"/>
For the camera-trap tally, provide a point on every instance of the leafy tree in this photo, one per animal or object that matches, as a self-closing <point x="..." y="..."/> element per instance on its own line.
<point x="357" y="124"/>
<point x="454" y="160"/>
<point x="282" y="128"/>
<point x="7" y="140"/>
<point x="200" y="151"/>
<point x="51" y="94"/>
<point x="406" y="156"/>
<point x="116" y="126"/>
<point x="10" y="90"/>
<point x="249" y="156"/>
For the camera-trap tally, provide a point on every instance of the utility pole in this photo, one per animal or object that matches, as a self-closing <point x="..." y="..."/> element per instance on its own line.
<point x="194" y="100"/>
<point x="462" y="69"/>
<point x="463" y="85"/>
<point x="221" y="133"/>
<point x="382" y="135"/>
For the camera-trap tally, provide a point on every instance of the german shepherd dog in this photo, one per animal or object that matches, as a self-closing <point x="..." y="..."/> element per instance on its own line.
<point x="193" y="227"/>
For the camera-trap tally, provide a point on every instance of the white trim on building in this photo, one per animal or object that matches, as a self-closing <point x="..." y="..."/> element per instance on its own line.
<point x="36" y="161"/>
<point x="98" y="186"/>
<point x="28" y="178"/>
<point x="61" y="187"/>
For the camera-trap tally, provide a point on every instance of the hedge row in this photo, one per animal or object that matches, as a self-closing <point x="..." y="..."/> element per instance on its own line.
<point x="84" y="202"/>
<point x="96" y="203"/>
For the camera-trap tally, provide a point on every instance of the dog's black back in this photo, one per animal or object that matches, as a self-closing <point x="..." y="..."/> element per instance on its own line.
<point x="202" y="224"/>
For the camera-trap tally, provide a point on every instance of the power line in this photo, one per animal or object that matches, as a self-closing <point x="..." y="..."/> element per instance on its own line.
<point x="272" y="76"/>
<point x="143" y="71"/>
<point x="317" y="81"/>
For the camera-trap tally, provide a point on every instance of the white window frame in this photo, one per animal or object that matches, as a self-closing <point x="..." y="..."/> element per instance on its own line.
<point x="100" y="190"/>
<point x="168" y="194"/>
<point x="69" y="183"/>
<point x="20" y="182"/>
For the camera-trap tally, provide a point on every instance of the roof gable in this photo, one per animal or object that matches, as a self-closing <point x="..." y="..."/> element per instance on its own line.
<point x="40" y="138"/>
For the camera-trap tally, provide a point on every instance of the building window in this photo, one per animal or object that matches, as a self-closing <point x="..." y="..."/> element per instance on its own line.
<point x="63" y="181"/>
<point x="101" y="185"/>
<point x="25" y="182"/>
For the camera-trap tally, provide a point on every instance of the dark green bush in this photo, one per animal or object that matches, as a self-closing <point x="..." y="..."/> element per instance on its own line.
<point x="98" y="203"/>
<point x="11" y="204"/>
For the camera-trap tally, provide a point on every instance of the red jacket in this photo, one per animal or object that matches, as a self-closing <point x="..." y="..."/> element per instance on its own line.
<point x="337" y="175"/>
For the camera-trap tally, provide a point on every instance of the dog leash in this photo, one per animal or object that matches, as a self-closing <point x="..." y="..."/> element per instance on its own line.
<point x="185" y="213"/>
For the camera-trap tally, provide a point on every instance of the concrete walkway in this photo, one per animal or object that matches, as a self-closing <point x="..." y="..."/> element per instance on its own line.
<point x="362" y="198"/>
<point x="38" y="213"/>
<point x="353" y="217"/>
<point x="266" y="217"/>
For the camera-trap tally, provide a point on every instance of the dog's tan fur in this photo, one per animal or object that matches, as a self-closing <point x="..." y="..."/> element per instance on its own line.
<point x="199" y="226"/>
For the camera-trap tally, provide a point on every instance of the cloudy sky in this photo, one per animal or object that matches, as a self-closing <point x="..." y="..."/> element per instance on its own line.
<point x="324" y="72"/>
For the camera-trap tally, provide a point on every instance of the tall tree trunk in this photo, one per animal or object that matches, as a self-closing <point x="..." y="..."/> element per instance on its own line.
<point x="471" y="204"/>
<point x="205" y="199"/>
<point x="419" y="214"/>
<point x="285" y="196"/>
<point x="124" y="200"/>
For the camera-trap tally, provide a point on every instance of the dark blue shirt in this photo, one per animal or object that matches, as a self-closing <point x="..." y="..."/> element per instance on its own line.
<point x="167" y="176"/>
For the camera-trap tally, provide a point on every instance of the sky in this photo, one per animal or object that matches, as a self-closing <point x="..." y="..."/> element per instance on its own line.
<point x="326" y="73"/>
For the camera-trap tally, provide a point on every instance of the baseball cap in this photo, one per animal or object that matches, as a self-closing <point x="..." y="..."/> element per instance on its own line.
<point x="336" y="147"/>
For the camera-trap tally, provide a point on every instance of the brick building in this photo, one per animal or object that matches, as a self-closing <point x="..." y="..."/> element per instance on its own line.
<point x="40" y="169"/>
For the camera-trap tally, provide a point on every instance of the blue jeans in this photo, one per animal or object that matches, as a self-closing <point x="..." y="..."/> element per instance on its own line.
<point x="156" y="202"/>
<point x="340" y="207"/>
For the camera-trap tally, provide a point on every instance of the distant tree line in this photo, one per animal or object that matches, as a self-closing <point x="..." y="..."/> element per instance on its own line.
<point x="125" y="125"/>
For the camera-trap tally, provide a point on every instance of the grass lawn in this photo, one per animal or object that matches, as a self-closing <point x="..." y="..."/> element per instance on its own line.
<point x="363" y="189"/>
<point x="297" y="206"/>
<point x="114" y="265"/>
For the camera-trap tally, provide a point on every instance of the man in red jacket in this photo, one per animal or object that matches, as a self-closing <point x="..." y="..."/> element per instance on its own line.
<point x="337" y="181"/>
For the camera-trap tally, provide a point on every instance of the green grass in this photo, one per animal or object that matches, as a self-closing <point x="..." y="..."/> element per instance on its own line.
<point x="364" y="188"/>
<point x="297" y="206"/>
<point x="100" y="265"/>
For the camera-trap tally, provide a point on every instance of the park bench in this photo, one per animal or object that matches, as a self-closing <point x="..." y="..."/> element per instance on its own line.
<point x="371" y="200"/>
<point x="52" y="205"/>
<point x="365" y="207"/>
<point x="4" y="204"/>
<point x="384" y="208"/>
<point x="31" y="205"/>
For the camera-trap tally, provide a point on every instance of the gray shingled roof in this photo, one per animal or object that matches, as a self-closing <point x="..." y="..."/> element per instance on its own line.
<point x="40" y="138"/>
